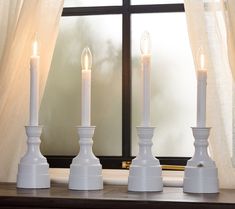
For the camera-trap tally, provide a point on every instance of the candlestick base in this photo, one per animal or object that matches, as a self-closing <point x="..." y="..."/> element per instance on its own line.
<point x="145" y="172"/>
<point x="200" y="175"/>
<point x="33" y="169"/>
<point x="85" y="170"/>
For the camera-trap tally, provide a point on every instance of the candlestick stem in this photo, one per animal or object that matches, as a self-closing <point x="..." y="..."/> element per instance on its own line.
<point x="85" y="170"/>
<point x="200" y="174"/>
<point x="33" y="169"/>
<point x="145" y="171"/>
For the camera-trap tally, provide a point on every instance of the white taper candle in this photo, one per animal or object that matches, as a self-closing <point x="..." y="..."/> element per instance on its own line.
<point x="86" y="60"/>
<point x="34" y="88"/>
<point x="145" y="76"/>
<point x="201" y="92"/>
<point x="146" y="90"/>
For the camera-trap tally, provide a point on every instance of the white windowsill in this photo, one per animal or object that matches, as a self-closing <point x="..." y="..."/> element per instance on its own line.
<point x="118" y="177"/>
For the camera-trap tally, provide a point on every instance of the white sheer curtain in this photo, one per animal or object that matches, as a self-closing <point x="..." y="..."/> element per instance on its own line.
<point x="229" y="16"/>
<point x="211" y="25"/>
<point x="19" y="20"/>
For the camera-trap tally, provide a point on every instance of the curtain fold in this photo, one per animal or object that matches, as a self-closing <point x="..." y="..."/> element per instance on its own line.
<point x="20" y="20"/>
<point x="229" y="16"/>
<point x="211" y="25"/>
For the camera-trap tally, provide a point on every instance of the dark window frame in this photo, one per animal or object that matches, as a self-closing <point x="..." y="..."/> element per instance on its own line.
<point x="126" y="9"/>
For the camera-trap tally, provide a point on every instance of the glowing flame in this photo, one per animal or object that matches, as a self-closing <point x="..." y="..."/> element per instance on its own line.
<point x="86" y="59"/>
<point x="35" y="48"/>
<point x="145" y="45"/>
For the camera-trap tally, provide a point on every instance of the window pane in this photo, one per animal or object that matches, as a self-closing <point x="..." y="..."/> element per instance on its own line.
<point x="90" y="3"/>
<point x="60" y="108"/>
<point x="157" y="2"/>
<point x="173" y="93"/>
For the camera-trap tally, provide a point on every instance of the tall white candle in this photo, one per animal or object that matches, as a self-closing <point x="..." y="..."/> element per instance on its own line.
<point x="86" y="60"/>
<point x="201" y="92"/>
<point x="34" y="93"/>
<point x="145" y="76"/>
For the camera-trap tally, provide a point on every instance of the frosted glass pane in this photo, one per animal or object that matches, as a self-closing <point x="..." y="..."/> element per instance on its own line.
<point x="173" y="96"/>
<point x="156" y="2"/>
<point x="86" y="3"/>
<point x="61" y="104"/>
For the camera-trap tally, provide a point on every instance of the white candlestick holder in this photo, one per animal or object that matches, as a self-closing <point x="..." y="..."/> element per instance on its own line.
<point x="200" y="175"/>
<point x="85" y="170"/>
<point x="33" y="169"/>
<point x="145" y="173"/>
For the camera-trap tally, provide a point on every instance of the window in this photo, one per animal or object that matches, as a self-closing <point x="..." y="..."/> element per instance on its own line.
<point x="112" y="30"/>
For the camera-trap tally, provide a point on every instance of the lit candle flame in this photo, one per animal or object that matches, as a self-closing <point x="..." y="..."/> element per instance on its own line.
<point x="202" y="61"/>
<point x="86" y="59"/>
<point x="35" y="48"/>
<point x="86" y="62"/>
<point x="145" y="45"/>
